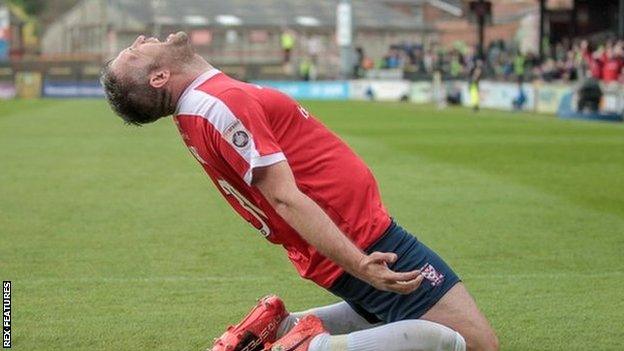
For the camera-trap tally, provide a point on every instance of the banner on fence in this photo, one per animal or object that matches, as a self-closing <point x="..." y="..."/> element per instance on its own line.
<point x="613" y="98"/>
<point x="549" y="97"/>
<point x="7" y="90"/>
<point x="422" y="92"/>
<point x="381" y="90"/>
<point x="501" y="96"/>
<point x="72" y="89"/>
<point x="321" y="90"/>
<point x="7" y="82"/>
<point x="28" y="84"/>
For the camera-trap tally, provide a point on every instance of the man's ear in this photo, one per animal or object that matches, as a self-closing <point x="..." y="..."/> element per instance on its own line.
<point x="159" y="78"/>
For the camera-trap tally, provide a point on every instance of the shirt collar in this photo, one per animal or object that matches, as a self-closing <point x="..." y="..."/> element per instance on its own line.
<point x="197" y="82"/>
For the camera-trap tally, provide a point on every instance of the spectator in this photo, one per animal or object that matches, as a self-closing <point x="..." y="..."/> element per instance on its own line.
<point x="590" y="95"/>
<point x="288" y="43"/>
<point x="307" y="69"/>
<point x="358" y="67"/>
<point x="612" y="66"/>
<point x="519" y="66"/>
<point x="474" y="79"/>
<point x="457" y="64"/>
<point x="392" y="59"/>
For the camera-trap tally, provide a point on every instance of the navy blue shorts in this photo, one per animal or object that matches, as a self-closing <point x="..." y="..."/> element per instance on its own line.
<point x="381" y="306"/>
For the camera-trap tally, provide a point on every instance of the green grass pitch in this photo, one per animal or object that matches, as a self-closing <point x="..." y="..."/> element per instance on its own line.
<point x="115" y="240"/>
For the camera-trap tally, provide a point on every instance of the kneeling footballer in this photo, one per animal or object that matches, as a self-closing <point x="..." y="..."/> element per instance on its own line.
<point x="303" y="188"/>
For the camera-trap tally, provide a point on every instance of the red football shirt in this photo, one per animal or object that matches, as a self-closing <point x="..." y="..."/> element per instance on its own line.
<point x="611" y="70"/>
<point x="232" y="128"/>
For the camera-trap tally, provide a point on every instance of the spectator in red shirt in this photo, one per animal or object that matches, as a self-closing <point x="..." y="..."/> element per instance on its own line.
<point x="594" y="63"/>
<point x="612" y="66"/>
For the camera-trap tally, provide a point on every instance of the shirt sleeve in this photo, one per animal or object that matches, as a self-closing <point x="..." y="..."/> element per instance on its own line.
<point x="247" y="141"/>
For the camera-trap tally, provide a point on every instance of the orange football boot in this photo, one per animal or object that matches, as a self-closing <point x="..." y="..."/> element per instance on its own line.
<point x="299" y="337"/>
<point x="257" y="329"/>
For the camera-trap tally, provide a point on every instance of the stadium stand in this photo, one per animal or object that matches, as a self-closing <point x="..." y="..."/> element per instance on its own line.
<point x="242" y="32"/>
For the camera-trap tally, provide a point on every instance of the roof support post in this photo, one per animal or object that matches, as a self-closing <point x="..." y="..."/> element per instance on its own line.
<point x="542" y="13"/>
<point x="344" y="37"/>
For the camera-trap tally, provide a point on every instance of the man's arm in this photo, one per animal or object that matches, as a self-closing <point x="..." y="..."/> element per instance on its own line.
<point x="277" y="184"/>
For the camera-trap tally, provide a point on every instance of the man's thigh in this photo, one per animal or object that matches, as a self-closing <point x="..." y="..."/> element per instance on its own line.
<point x="384" y="306"/>
<point x="458" y="310"/>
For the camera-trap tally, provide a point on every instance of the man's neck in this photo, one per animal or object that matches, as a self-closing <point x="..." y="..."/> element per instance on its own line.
<point x="189" y="73"/>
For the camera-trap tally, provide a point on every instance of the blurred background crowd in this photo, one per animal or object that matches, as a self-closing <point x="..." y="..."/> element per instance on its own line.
<point x="566" y="61"/>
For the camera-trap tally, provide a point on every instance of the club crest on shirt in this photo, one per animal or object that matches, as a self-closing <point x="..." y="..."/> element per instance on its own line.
<point x="237" y="134"/>
<point x="240" y="139"/>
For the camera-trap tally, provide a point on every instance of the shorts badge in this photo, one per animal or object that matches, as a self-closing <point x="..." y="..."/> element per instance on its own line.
<point x="431" y="274"/>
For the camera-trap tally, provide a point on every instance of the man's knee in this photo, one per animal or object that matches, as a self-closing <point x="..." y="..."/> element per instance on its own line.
<point x="482" y="340"/>
<point x="458" y="310"/>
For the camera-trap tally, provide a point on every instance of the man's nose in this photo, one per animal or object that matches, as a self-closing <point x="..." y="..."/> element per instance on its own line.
<point x="138" y="40"/>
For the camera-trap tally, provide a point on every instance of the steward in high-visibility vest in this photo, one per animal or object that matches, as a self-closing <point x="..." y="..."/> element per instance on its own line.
<point x="288" y="43"/>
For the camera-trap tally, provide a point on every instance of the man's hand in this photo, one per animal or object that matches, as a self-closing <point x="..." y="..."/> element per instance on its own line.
<point x="277" y="184"/>
<point x="374" y="270"/>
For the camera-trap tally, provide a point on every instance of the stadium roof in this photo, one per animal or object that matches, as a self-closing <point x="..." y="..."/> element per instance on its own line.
<point x="454" y="7"/>
<point x="291" y="13"/>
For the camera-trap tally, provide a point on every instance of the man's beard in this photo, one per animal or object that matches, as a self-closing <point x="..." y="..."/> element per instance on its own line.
<point x="179" y="49"/>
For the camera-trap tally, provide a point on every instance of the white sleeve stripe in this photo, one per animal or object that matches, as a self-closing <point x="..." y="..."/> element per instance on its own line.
<point x="263" y="161"/>
<point x="267" y="160"/>
<point x="198" y="103"/>
<point x="217" y="113"/>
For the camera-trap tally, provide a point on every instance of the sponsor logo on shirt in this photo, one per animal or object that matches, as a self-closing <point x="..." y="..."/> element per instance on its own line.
<point x="235" y="126"/>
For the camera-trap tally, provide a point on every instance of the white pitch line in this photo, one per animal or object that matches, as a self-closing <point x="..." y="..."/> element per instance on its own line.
<point x="145" y="279"/>
<point x="545" y="275"/>
<point x="174" y="279"/>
